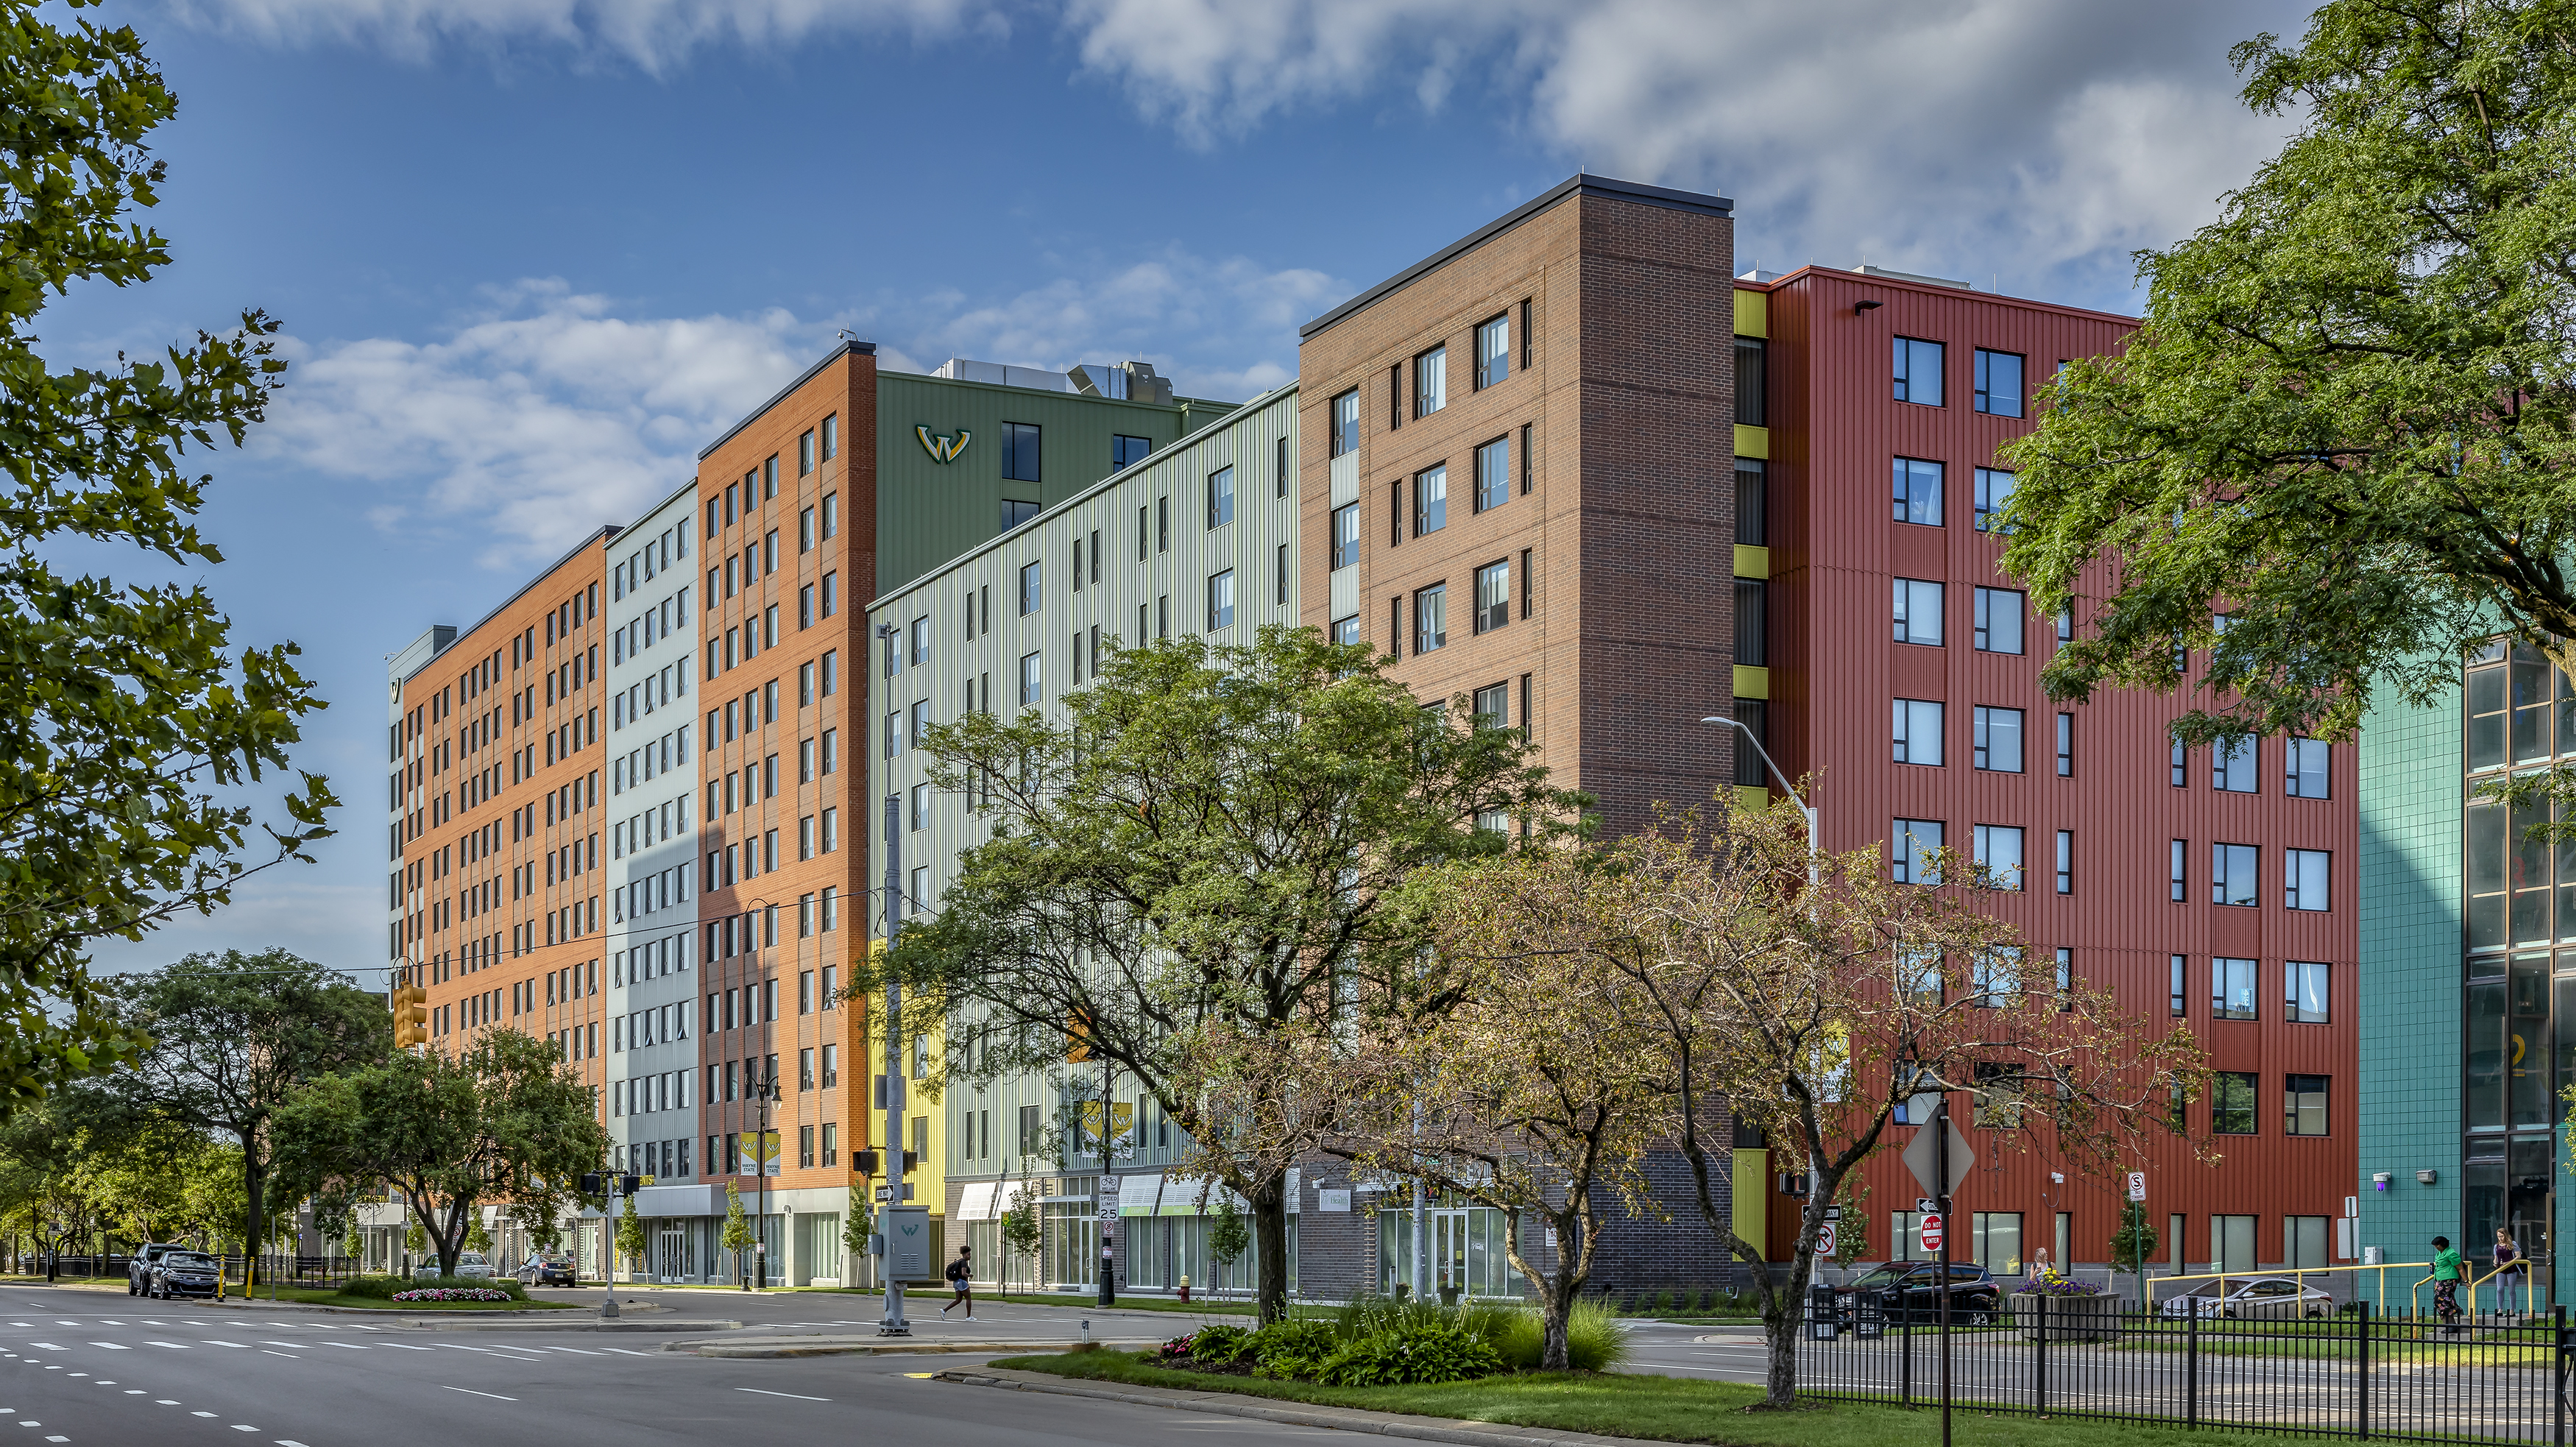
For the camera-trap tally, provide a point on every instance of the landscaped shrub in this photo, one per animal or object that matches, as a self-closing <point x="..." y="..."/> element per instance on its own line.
<point x="1219" y="1346"/>
<point x="1430" y="1353"/>
<point x="453" y="1293"/>
<point x="1594" y="1340"/>
<point x="1292" y="1348"/>
<point x="384" y="1288"/>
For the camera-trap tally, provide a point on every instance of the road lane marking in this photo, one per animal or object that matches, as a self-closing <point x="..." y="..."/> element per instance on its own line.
<point x="217" y="1342"/>
<point x="49" y="1346"/>
<point x="495" y="1396"/>
<point x="201" y="1414"/>
<point x="281" y="1344"/>
<point x="103" y="1321"/>
<point x="290" y="1356"/>
<point x="288" y="1442"/>
<point x="344" y="1345"/>
<point x="624" y="1352"/>
<point x="172" y="1345"/>
<point x="405" y="1346"/>
<point x="577" y="1351"/>
<point x="163" y="1402"/>
<point x="797" y="1395"/>
<point x="112" y="1346"/>
<point x="244" y="1427"/>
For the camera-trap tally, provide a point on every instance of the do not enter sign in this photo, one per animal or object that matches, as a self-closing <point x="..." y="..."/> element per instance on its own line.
<point x="1932" y="1231"/>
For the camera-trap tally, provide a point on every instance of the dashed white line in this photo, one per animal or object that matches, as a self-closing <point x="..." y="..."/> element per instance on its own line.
<point x="176" y="1346"/>
<point x="797" y="1395"/>
<point x="244" y="1427"/>
<point x="201" y="1414"/>
<point x="288" y="1442"/>
<point x="469" y="1391"/>
<point x="624" y="1352"/>
<point x="290" y="1356"/>
<point x="114" y="1346"/>
<point x="235" y="1345"/>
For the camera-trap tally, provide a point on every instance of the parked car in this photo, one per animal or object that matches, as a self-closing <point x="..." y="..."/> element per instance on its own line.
<point x="1908" y="1293"/>
<point x="550" y="1268"/>
<point x="2249" y="1297"/>
<point x="182" y="1272"/>
<point x="474" y="1264"/>
<point x="138" y="1270"/>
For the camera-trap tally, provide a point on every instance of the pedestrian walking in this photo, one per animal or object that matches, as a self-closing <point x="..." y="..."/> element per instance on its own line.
<point x="961" y="1275"/>
<point x="2509" y="1279"/>
<point x="2446" y="1285"/>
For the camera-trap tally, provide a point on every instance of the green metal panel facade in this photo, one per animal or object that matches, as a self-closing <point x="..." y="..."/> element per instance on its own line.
<point x="2411" y="1028"/>
<point x="930" y="511"/>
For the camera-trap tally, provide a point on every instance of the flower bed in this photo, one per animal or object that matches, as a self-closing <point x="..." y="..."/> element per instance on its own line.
<point x="453" y="1293"/>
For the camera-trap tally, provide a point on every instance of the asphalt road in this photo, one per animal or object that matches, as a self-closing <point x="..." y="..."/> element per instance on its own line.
<point x="101" y="1370"/>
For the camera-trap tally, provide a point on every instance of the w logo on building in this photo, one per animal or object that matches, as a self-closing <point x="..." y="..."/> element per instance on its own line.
<point x="941" y="446"/>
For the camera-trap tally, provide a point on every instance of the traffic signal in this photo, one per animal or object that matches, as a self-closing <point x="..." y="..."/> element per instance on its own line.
<point x="909" y="1162"/>
<point x="865" y="1161"/>
<point x="411" y="1016"/>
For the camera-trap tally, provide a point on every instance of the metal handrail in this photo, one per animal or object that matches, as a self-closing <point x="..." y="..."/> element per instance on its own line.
<point x="2301" y="1275"/>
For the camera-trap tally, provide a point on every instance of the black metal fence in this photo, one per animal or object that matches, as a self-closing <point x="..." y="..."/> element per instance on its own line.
<point x="2348" y="1374"/>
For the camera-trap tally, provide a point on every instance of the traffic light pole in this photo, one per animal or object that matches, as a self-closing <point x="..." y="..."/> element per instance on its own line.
<point x="893" y="1323"/>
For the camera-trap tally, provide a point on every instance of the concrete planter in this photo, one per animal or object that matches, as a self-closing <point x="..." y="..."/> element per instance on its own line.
<point x="2070" y="1318"/>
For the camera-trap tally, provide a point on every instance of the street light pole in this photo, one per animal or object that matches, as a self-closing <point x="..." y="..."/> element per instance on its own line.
<point x="1815" y="852"/>
<point x="893" y="1323"/>
<point x="765" y="1091"/>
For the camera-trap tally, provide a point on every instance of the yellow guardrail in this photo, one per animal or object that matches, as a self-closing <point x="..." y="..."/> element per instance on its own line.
<point x="2469" y="1304"/>
<point x="2302" y="1273"/>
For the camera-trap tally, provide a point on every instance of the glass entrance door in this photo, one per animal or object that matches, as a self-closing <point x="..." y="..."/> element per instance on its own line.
<point x="1449" y="1236"/>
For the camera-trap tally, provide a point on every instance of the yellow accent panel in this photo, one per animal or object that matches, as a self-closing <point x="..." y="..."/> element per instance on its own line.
<point x="1752" y="562"/>
<point x="1752" y="313"/>
<point x="1753" y="1189"/>
<point x="1752" y="800"/>
<point x="1753" y="442"/>
<point x="1751" y="682"/>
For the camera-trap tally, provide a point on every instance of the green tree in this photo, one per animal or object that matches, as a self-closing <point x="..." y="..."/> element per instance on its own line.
<point x="130" y="731"/>
<point x="2338" y="449"/>
<point x="737" y="1236"/>
<point x="1022" y="1232"/>
<point x="1187" y="872"/>
<point x="858" y="1223"/>
<point x="232" y="1037"/>
<point x="1228" y="1237"/>
<point x="478" y="1237"/>
<point x="2134" y="1242"/>
<point x="630" y="1234"/>
<point x="503" y="1120"/>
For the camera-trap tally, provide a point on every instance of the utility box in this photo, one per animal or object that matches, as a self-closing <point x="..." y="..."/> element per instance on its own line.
<point x="907" y="1238"/>
<point x="1821" y="1322"/>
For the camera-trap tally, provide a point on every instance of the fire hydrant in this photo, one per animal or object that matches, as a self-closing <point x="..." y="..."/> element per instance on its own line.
<point x="1185" y="1291"/>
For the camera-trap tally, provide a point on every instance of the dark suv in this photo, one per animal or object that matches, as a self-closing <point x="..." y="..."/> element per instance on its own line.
<point x="181" y="1272"/>
<point x="1908" y="1294"/>
<point x="138" y="1268"/>
<point x="550" y="1268"/>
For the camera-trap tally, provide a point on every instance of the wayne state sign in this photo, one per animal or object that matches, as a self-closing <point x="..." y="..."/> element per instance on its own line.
<point x="942" y="446"/>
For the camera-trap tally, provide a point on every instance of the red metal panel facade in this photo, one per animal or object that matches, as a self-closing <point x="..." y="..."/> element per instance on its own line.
<point x="1836" y="549"/>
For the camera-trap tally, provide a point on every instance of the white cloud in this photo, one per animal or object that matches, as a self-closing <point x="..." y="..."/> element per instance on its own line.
<point x="546" y="413"/>
<point x="652" y="35"/>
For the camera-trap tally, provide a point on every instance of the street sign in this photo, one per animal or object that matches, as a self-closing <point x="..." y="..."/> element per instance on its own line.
<point x="1920" y="1158"/>
<point x="2137" y="1185"/>
<point x="1925" y="1204"/>
<point x="1825" y="1239"/>
<point x="1932" y="1231"/>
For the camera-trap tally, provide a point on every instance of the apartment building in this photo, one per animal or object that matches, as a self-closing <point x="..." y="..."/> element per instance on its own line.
<point x="622" y="816"/>
<point x="1199" y="538"/>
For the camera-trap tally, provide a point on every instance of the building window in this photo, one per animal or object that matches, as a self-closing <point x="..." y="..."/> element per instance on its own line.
<point x="2303" y="1105"/>
<point x="1493" y="596"/>
<point x="1220" y="610"/>
<point x="1999" y="383"/>
<point x="1999" y="615"/>
<point x="1494" y="474"/>
<point x="1430" y="500"/>
<point x="2305" y="770"/>
<point x="1016" y="512"/>
<point x="1915" y="726"/>
<point x="1911" y="845"/>
<point x="2304" y="879"/>
<point x="2065" y="864"/>
<point x="804" y="454"/>
<point x="1999" y="855"/>
<point x="1493" y="351"/>
<point x="831" y="437"/>
<point x="1917" y="488"/>
<point x="2231" y="989"/>
<point x="1918" y="612"/>
<point x="1994" y="489"/>
<point x="1751" y="377"/>
<point x="2066" y="746"/>
<point x="1998" y="739"/>
<point x="1918" y="371"/>
<point x="2178" y="850"/>
<point x="2306" y="993"/>
<point x="1752" y="622"/>
<point x="1431" y="618"/>
<point x="1030" y="679"/>
<point x="2177" y="772"/>
<point x="2175" y="964"/>
<point x="1346" y="535"/>
<point x="1346" y="422"/>
<point x="2231" y="1111"/>
<point x="2231" y="765"/>
<point x="1220" y="493"/>
<point x="1020" y="452"/>
<point x="1347" y="629"/>
<point x="1430" y="382"/>
<point x="2231" y="875"/>
<point x="1752" y="512"/>
<point x="1031" y="575"/>
<point x="920" y="806"/>
<point x="1754" y="714"/>
<point x="1493" y="706"/>
<point x="1125" y="451"/>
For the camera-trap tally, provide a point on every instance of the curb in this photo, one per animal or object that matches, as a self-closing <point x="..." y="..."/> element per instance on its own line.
<point x="1343" y="1419"/>
<point x="237" y="1304"/>
<point x="872" y="1347"/>
<point x="579" y="1323"/>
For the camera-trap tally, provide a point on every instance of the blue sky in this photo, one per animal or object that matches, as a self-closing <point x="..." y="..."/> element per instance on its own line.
<point x="530" y="254"/>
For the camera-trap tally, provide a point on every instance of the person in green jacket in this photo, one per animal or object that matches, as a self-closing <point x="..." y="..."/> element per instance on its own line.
<point x="2446" y="1283"/>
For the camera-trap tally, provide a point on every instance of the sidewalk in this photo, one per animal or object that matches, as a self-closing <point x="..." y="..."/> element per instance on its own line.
<point x="877" y="1346"/>
<point x="1230" y="1404"/>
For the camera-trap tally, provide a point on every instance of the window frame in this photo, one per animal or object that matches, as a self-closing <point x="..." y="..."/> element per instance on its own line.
<point x="1985" y="390"/>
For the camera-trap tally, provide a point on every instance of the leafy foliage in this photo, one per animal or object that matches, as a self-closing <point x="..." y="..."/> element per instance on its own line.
<point x="128" y="728"/>
<point x="389" y="1288"/>
<point x="1427" y="1352"/>
<point x="2338" y="450"/>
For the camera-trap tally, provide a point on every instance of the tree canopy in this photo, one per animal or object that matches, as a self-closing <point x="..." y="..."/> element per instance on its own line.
<point x="130" y="729"/>
<point x="2338" y="449"/>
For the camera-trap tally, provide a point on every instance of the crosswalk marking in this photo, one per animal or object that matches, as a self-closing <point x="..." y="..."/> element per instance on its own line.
<point x="172" y="1345"/>
<point x="112" y="1346"/>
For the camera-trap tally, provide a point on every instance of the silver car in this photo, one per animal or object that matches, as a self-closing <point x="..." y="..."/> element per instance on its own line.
<point x="474" y="1264"/>
<point x="2250" y="1298"/>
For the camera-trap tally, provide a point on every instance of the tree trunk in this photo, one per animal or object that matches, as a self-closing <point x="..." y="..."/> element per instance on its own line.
<point x="1270" y="1233"/>
<point x="254" y="1177"/>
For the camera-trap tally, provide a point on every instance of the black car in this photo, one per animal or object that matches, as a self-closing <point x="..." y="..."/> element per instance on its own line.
<point x="180" y="1272"/>
<point x="138" y="1268"/>
<point x="550" y="1268"/>
<point x="1908" y="1294"/>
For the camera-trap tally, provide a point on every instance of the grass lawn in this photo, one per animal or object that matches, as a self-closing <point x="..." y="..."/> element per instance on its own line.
<point x="1662" y="1408"/>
